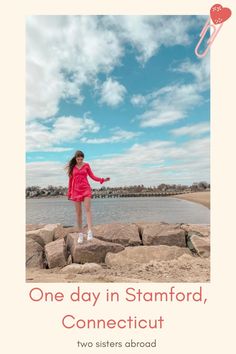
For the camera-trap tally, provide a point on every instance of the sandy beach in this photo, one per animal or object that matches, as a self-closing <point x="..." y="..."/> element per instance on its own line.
<point x="185" y="269"/>
<point x="197" y="197"/>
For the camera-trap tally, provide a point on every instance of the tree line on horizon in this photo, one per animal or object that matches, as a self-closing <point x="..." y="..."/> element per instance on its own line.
<point x="36" y="191"/>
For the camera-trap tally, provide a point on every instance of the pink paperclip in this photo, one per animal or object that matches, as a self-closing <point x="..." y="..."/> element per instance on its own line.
<point x="208" y="24"/>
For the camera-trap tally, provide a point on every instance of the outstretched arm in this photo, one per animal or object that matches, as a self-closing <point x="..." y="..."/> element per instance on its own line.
<point x="95" y="178"/>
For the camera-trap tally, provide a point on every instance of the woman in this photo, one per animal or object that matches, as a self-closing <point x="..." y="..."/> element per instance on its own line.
<point x="79" y="190"/>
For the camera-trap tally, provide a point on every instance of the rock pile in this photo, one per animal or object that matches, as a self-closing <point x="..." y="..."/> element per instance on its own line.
<point x="114" y="245"/>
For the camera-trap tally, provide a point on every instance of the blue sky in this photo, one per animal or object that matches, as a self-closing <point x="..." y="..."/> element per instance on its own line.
<point x="126" y="90"/>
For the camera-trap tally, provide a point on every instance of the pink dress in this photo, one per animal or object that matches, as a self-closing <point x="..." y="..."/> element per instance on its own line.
<point x="79" y="187"/>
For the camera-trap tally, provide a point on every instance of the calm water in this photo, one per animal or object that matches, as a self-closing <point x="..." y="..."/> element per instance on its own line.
<point x="61" y="210"/>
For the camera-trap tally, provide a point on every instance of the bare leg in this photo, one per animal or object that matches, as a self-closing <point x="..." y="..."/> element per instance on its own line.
<point x="78" y="208"/>
<point x="87" y="204"/>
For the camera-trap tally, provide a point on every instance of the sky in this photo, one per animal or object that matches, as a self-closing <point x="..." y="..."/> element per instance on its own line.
<point x="128" y="91"/>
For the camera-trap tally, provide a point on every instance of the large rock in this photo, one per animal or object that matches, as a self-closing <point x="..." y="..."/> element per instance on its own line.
<point x="202" y="230"/>
<point x="145" y="254"/>
<point x="162" y="234"/>
<point x="56" y="253"/>
<point x="93" y="251"/>
<point x="201" y="245"/>
<point x="43" y="235"/>
<point x="52" y="228"/>
<point x="62" y="232"/>
<point x="34" y="254"/>
<point x="75" y="268"/>
<point x="124" y="234"/>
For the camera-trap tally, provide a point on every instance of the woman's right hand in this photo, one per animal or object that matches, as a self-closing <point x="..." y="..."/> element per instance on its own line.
<point x="107" y="179"/>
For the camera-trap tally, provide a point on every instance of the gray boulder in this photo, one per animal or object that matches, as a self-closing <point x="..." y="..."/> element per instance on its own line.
<point x="56" y="254"/>
<point x="162" y="234"/>
<point x="43" y="235"/>
<point x="34" y="254"/>
<point x="93" y="251"/>
<point x="62" y="232"/>
<point x="124" y="234"/>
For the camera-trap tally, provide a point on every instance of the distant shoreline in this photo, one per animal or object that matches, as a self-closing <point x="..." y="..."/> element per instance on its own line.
<point x="197" y="197"/>
<point x="202" y="198"/>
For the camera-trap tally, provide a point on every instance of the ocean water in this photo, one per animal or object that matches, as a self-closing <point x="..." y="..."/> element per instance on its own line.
<point x="166" y="209"/>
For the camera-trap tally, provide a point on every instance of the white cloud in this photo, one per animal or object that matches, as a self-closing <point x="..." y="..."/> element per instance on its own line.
<point x="119" y="135"/>
<point x="169" y="105"/>
<point x="192" y="130"/>
<point x="40" y="137"/>
<point x="182" y="163"/>
<point x="69" y="128"/>
<point x="63" y="53"/>
<point x="138" y="100"/>
<point x="45" y="173"/>
<point x="44" y="87"/>
<point x="112" y="92"/>
<point x="149" y="163"/>
<point x="148" y="33"/>
<point x="172" y="103"/>
<point x="199" y="70"/>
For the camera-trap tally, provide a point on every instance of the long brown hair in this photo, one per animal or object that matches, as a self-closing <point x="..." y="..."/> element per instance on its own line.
<point x="71" y="164"/>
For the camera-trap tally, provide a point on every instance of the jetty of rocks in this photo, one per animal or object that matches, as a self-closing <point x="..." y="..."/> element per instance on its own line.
<point x="114" y="245"/>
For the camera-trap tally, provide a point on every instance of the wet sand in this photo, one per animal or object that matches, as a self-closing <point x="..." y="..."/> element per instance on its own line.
<point x="197" y="197"/>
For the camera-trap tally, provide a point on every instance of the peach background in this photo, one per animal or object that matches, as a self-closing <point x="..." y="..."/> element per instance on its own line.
<point x="36" y="327"/>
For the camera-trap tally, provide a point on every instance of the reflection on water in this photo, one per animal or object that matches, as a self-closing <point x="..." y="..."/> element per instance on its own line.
<point x="167" y="209"/>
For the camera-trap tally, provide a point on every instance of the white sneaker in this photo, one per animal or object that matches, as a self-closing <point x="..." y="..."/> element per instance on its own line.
<point x="80" y="238"/>
<point x="90" y="235"/>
